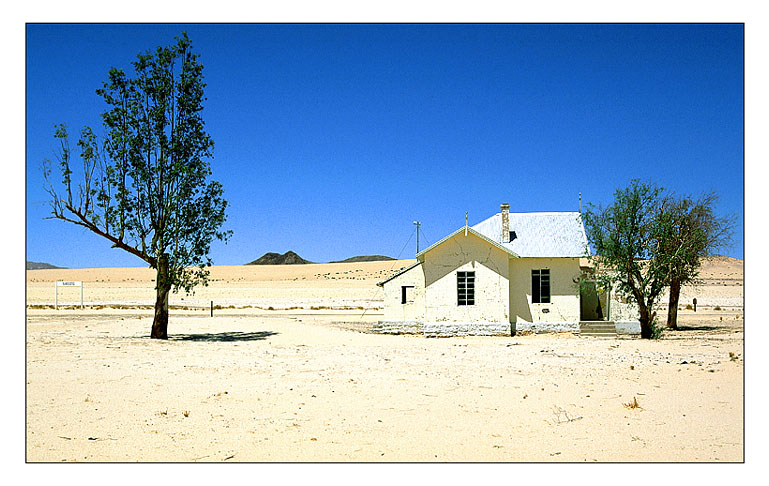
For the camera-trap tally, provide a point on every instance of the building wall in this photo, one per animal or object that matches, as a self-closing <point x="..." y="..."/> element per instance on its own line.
<point x="394" y="310"/>
<point x="622" y="309"/>
<point x="564" y="303"/>
<point x="461" y="254"/>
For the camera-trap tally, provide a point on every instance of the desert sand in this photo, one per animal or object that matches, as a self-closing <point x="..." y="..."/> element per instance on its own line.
<point x="288" y="370"/>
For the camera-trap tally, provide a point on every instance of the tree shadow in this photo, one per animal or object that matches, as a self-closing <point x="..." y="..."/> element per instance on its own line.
<point x="220" y="337"/>
<point x="703" y="328"/>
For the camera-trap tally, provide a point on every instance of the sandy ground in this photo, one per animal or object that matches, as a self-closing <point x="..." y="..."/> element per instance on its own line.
<point x="312" y="384"/>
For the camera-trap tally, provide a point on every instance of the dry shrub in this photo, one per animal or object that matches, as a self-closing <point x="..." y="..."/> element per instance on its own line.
<point x="633" y="404"/>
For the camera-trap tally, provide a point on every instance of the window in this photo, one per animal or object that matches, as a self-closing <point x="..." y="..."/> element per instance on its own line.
<point x="407" y="296"/>
<point x="465" y="288"/>
<point x="540" y="286"/>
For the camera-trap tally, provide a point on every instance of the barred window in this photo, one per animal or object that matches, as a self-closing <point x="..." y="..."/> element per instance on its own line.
<point x="540" y="286"/>
<point x="465" y="288"/>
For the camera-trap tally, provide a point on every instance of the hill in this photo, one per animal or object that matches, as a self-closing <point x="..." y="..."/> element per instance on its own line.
<point x="365" y="258"/>
<point x="288" y="258"/>
<point x="40" y="266"/>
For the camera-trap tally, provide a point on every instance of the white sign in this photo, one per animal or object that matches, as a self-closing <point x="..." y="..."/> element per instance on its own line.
<point x="61" y="283"/>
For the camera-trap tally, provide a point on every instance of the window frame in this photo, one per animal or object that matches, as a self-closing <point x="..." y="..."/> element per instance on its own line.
<point x="405" y="294"/>
<point x="466" y="288"/>
<point x="541" y="281"/>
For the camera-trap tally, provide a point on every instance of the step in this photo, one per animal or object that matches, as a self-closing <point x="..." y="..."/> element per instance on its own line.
<point x="599" y="334"/>
<point x="596" y="325"/>
<point x="598" y="329"/>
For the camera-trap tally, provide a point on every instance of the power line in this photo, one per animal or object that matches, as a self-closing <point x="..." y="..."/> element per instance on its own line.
<point x="404" y="247"/>
<point x="429" y="243"/>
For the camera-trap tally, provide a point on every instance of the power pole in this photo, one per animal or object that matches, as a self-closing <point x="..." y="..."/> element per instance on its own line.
<point x="417" y="223"/>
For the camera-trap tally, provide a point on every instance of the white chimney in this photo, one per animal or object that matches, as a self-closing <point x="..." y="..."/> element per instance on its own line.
<point x="505" y="222"/>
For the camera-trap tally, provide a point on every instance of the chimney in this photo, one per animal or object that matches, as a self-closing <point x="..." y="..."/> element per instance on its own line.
<point x="505" y="222"/>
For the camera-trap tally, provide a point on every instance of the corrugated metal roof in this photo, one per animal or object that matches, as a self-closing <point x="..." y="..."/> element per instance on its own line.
<point x="540" y="234"/>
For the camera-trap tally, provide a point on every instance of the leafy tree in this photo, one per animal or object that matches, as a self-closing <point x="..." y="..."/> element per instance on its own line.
<point x="144" y="186"/>
<point x="626" y="237"/>
<point x="692" y="231"/>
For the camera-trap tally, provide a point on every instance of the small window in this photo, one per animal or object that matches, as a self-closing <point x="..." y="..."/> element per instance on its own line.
<point x="407" y="294"/>
<point x="540" y="286"/>
<point x="465" y="288"/>
<point x="513" y="235"/>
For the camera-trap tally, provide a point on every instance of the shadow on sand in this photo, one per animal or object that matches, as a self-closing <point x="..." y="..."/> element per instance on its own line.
<point x="700" y="328"/>
<point x="223" y="336"/>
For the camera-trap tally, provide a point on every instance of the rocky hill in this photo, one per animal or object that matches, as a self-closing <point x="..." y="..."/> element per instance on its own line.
<point x="40" y="266"/>
<point x="365" y="258"/>
<point x="288" y="258"/>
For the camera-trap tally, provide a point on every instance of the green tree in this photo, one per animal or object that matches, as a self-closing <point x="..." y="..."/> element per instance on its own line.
<point x="626" y="237"/>
<point x="692" y="231"/>
<point x="145" y="185"/>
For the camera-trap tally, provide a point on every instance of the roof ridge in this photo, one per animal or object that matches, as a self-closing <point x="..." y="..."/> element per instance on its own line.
<point x="541" y="212"/>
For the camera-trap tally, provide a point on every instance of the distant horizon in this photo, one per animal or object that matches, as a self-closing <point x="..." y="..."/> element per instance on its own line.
<point x="330" y="140"/>
<point x="309" y="263"/>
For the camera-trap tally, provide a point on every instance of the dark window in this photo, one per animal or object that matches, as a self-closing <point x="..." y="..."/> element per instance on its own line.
<point x="407" y="296"/>
<point x="540" y="286"/>
<point x="513" y="235"/>
<point x="465" y="288"/>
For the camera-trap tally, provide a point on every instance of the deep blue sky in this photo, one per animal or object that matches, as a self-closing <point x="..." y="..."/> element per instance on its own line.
<point x="331" y="139"/>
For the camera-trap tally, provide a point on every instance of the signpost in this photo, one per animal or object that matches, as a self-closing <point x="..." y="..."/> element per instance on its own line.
<point x="66" y="284"/>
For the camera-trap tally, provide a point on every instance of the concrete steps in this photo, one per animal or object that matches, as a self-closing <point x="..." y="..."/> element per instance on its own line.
<point x="597" y="328"/>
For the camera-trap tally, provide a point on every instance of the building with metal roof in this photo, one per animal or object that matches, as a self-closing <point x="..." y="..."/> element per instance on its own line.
<point x="512" y="272"/>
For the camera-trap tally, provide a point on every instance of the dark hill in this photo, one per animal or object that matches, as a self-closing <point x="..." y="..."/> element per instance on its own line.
<point x="40" y="266"/>
<point x="288" y="258"/>
<point x="366" y="258"/>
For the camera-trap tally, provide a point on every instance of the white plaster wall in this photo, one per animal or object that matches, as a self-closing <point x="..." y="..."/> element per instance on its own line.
<point x="462" y="254"/>
<point x="451" y="329"/>
<point x="622" y="311"/>
<point x="414" y="311"/>
<point x="564" y="303"/>
<point x="399" y="327"/>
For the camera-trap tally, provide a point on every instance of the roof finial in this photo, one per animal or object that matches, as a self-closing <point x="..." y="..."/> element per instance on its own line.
<point x="465" y="223"/>
<point x="580" y="203"/>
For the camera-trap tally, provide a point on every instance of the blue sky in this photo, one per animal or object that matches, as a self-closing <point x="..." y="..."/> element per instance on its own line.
<point x="331" y="139"/>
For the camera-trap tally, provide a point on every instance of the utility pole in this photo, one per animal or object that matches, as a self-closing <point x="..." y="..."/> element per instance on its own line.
<point x="417" y="223"/>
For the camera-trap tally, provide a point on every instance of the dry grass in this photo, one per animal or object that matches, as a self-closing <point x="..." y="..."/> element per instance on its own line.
<point x="632" y="405"/>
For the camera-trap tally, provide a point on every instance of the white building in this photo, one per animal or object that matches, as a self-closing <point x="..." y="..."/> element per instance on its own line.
<point x="512" y="272"/>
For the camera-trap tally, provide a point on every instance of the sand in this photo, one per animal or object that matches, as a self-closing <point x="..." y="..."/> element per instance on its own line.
<point x="308" y="382"/>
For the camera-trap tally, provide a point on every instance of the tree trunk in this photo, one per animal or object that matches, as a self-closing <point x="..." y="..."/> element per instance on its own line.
<point x="675" y="293"/>
<point x="163" y="287"/>
<point x="646" y="322"/>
